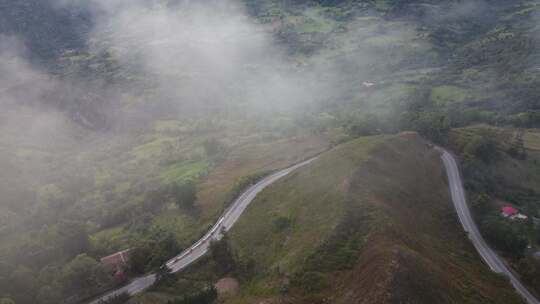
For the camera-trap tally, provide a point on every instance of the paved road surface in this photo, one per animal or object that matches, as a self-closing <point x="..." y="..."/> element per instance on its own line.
<point x="197" y="250"/>
<point x="488" y="255"/>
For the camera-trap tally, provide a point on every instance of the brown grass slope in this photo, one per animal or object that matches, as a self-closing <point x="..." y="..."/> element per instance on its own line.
<point x="428" y="258"/>
<point x="371" y="222"/>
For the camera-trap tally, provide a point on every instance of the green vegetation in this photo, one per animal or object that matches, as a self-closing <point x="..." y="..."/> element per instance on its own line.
<point x="500" y="169"/>
<point x="529" y="269"/>
<point x="185" y="194"/>
<point x="179" y="173"/>
<point x="504" y="235"/>
<point x="442" y="95"/>
<point x="140" y="205"/>
<point x="153" y="251"/>
<point x="131" y="162"/>
<point x="221" y="254"/>
<point x="204" y="297"/>
<point x="341" y="229"/>
<point x="304" y="222"/>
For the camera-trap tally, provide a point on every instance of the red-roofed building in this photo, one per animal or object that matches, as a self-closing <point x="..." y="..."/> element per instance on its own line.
<point x="117" y="261"/>
<point x="508" y="211"/>
<point x="120" y="276"/>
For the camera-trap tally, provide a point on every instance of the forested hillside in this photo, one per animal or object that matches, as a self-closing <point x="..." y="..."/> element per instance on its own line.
<point x="133" y="124"/>
<point x="46" y="28"/>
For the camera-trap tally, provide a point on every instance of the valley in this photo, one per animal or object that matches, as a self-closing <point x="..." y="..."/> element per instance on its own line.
<point x="132" y="130"/>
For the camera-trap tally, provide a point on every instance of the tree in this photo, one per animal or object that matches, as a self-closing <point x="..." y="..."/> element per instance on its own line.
<point x="433" y="125"/>
<point x="504" y="236"/>
<point x="185" y="194"/>
<point x="155" y="198"/>
<point x="140" y="256"/>
<point x="23" y="284"/>
<point x="48" y="274"/>
<point x="478" y="175"/>
<point x="5" y="272"/>
<point x="517" y="147"/>
<point x="207" y="296"/>
<point x="73" y="237"/>
<point x="365" y="126"/>
<point x="222" y="254"/>
<point x="213" y="148"/>
<point x="483" y="148"/>
<point x="165" y="248"/>
<point x="83" y="274"/>
<point x="164" y="276"/>
<point x="151" y="255"/>
<point x="310" y="281"/>
<point x="480" y="204"/>
<point x="529" y="269"/>
<point x="49" y="295"/>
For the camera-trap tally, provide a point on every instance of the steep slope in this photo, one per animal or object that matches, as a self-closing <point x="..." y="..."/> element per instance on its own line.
<point x="370" y="222"/>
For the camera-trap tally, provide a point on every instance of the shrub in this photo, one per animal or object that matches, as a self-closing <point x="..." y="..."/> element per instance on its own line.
<point x="483" y="148"/>
<point x="480" y="204"/>
<point x="504" y="236"/>
<point x="117" y="299"/>
<point x="310" y="281"/>
<point x="281" y="223"/>
<point x="185" y="194"/>
<point x="222" y="254"/>
<point x="207" y="296"/>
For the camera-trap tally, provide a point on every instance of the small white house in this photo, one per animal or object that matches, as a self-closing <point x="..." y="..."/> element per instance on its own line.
<point x="519" y="216"/>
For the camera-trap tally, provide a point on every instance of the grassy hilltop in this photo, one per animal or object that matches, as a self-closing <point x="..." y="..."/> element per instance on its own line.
<point x="369" y="222"/>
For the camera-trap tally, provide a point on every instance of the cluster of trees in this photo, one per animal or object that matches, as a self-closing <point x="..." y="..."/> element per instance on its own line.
<point x="481" y="147"/>
<point x="517" y="147"/>
<point x="30" y="274"/>
<point x="480" y="153"/>
<point x="432" y="125"/>
<point x="214" y="149"/>
<point x="505" y="235"/>
<point x="207" y="296"/>
<point x="155" y="197"/>
<point x="184" y="194"/>
<point x="223" y="256"/>
<point x="59" y="262"/>
<point x="433" y="121"/>
<point x="484" y="154"/>
<point x="529" y="269"/>
<point x="310" y="281"/>
<point x="227" y="261"/>
<point x="152" y="252"/>
<point x="529" y="119"/>
<point x="481" y="205"/>
<point x="83" y="276"/>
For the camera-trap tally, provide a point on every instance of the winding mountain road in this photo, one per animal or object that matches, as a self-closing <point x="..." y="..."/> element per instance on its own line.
<point x="200" y="248"/>
<point x="232" y="214"/>
<point x="488" y="255"/>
